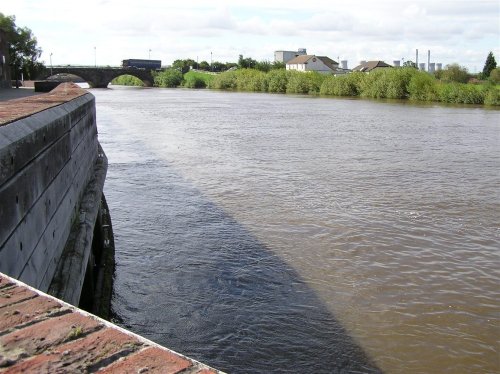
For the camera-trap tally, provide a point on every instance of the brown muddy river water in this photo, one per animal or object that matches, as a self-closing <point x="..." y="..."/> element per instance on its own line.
<point x="269" y="233"/>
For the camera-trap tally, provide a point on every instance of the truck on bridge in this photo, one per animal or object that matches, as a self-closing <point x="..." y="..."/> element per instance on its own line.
<point x="142" y="64"/>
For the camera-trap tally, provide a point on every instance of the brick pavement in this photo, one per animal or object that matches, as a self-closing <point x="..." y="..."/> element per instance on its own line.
<point x="40" y="334"/>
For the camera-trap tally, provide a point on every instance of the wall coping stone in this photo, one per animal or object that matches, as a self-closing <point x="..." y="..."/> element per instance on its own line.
<point x="12" y="110"/>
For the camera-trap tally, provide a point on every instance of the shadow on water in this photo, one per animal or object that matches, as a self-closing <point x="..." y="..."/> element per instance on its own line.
<point x="192" y="278"/>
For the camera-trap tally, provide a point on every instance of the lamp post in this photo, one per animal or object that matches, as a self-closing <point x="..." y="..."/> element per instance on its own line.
<point x="95" y="56"/>
<point x="51" y="63"/>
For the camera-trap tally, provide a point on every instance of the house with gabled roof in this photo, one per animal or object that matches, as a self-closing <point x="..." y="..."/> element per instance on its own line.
<point x="321" y="64"/>
<point x="368" y="66"/>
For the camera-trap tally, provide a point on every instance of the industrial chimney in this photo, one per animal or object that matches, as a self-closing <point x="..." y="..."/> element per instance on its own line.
<point x="416" y="57"/>
<point x="428" y="59"/>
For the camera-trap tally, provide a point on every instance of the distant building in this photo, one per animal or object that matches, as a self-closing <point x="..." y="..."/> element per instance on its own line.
<point x="368" y="66"/>
<point x="285" y="56"/>
<point x="321" y="64"/>
<point x="4" y="61"/>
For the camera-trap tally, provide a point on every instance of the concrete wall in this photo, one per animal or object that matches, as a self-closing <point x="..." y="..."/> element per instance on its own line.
<point x="47" y="160"/>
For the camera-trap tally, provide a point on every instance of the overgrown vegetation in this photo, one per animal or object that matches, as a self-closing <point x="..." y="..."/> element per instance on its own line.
<point x="448" y="85"/>
<point x="402" y="83"/>
<point x="168" y="78"/>
<point x="127" y="80"/>
<point x="195" y="79"/>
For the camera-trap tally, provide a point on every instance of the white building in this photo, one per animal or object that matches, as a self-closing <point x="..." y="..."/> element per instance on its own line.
<point x="321" y="64"/>
<point x="285" y="56"/>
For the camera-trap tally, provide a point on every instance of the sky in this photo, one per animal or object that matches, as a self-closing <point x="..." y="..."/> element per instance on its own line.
<point x="105" y="32"/>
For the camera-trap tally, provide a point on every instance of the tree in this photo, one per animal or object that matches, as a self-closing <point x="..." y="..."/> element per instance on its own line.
<point x="23" y="48"/>
<point x="183" y="65"/>
<point x="489" y="65"/>
<point x="246" y="63"/>
<point x="454" y="73"/>
<point x="204" y="66"/>
<point x="410" y="64"/>
<point x="495" y="76"/>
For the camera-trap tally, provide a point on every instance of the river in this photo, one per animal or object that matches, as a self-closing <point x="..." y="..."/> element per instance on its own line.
<point x="265" y="233"/>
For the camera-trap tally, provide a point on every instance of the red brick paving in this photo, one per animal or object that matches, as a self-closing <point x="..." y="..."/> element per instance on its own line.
<point x="151" y="361"/>
<point x="11" y="110"/>
<point x="29" y="310"/>
<point x="39" y="334"/>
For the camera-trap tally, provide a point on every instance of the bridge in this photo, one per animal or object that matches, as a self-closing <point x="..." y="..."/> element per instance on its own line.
<point x="97" y="76"/>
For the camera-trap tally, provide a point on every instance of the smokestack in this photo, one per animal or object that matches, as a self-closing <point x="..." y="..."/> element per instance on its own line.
<point x="416" y="58"/>
<point x="428" y="59"/>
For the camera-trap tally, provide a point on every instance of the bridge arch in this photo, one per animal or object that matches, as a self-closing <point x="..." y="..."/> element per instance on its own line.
<point x="99" y="77"/>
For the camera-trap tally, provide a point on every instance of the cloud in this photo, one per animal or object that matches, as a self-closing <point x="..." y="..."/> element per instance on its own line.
<point x="174" y="30"/>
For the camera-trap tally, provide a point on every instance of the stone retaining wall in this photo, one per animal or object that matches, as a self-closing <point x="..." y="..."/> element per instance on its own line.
<point x="49" y="153"/>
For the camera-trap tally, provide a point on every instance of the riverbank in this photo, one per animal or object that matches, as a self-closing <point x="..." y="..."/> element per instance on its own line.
<point x="403" y="83"/>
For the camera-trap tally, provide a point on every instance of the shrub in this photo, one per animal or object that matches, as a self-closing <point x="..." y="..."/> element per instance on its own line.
<point x="454" y="73"/>
<point x="460" y="93"/>
<point x="277" y="80"/>
<point x="194" y="82"/>
<point x="342" y="85"/>
<point x="250" y="80"/>
<point x="168" y="78"/>
<point x="422" y="87"/>
<point x="374" y="85"/>
<point x="492" y="95"/>
<point x="127" y="80"/>
<point x="194" y="79"/>
<point x="304" y="82"/>
<point x="224" y="81"/>
<point x="495" y="76"/>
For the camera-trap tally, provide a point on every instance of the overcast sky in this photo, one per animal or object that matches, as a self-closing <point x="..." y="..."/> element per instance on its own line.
<point x="108" y="31"/>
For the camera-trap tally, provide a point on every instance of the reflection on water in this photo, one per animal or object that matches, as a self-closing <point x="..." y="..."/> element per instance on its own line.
<point x="268" y="231"/>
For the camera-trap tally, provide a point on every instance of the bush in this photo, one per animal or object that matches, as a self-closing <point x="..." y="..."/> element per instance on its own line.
<point x="492" y="95"/>
<point x="343" y="85"/>
<point x="422" y="87"/>
<point x="453" y="73"/>
<point x="277" y="80"/>
<point x="194" y="82"/>
<point x="127" y="80"/>
<point x="224" y="81"/>
<point x="495" y="76"/>
<point x="250" y="80"/>
<point x="374" y="85"/>
<point x="460" y="93"/>
<point x="195" y="79"/>
<point x="304" y="83"/>
<point x="168" y="78"/>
